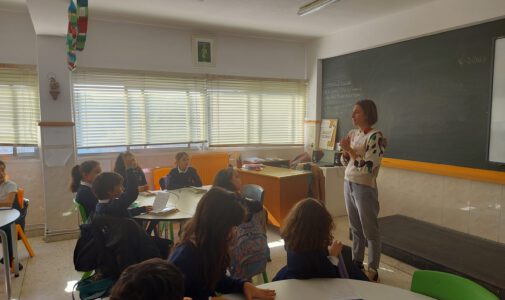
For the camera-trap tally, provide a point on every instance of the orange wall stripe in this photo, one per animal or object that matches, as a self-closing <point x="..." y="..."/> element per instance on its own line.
<point x="446" y="170"/>
<point x="312" y="121"/>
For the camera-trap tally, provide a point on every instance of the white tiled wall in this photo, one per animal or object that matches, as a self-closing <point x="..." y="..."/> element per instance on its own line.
<point x="473" y="207"/>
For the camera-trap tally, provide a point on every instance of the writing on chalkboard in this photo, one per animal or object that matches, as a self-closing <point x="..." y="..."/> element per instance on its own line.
<point x="343" y="92"/>
<point x="433" y="95"/>
<point x="471" y="60"/>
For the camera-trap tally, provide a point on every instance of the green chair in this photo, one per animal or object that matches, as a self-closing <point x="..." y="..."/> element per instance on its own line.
<point x="84" y="219"/>
<point x="82" y="211"/>
<point x="446" y="286"/>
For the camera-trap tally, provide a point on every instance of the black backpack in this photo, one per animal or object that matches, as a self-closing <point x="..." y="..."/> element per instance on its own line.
<point x="90" y="247"/>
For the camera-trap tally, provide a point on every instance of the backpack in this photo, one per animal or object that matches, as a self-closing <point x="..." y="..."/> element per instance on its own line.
<point x="90" y="247"/>
<point x="94" y="287"/>
<point x="249" y="249"/>
<point x="111" y="244"/>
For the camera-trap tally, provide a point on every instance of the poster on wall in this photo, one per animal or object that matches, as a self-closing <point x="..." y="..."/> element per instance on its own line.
<point x="328" y="134"/>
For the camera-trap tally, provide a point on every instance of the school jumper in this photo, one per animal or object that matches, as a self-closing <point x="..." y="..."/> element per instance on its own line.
<point x="86" y="198"/>
<point x="188" y="259"/>
<point x="317" y="264"/>
<point x="119" y="207"/>
<point x="177" y="179"/>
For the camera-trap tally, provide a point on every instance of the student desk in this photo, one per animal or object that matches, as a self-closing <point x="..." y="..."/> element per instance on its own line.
<point x="283" y="189"/>
<point x="8" y="216"/>
<point x="332" y="288"/>
<point x="185" y="200"/>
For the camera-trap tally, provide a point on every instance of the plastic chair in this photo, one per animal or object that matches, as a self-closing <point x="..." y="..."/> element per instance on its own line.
<point x="253" y="191"/>
<point x="446" y="286"/>
<point x="257" y="193"/>
<point x="22" y="206"/>
<point x="84" y="219"/>
<point x="159" y="173"/>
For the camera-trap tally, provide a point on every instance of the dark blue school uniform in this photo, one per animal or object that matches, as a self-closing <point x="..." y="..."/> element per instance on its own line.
<point x="187" y="258"/>
<point x="119" y="207"/>
<point x="315" y="264"/>
<point x="86" y="198"/>
<point x="176" y="180"/>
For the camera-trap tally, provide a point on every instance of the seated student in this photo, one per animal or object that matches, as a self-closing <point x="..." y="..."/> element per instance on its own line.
<point x="112" y="201"/>
<point x="153" y="279"/>
<point x="249" y="250"/>
<point x="82" y="178"/>
<point x="202" y="254"/>
<point x="8" y="191"/>
<point x="182" y="176"/>
<point x="127" y="160"/>
<point x="308" y="242"/>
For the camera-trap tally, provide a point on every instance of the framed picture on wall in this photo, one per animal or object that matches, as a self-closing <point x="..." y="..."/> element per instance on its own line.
<point x="203" y="51"/>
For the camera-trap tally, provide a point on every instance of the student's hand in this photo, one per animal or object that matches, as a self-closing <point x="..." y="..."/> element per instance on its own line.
<point x="335" y="248"/>
<point x="148" y="208"/>
<point x="345" y="144"/>
<point x="252" y="292"/>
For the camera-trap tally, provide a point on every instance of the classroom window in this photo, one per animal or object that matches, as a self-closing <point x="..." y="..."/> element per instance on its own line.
<point x="256" y="111"/>
<point x="115" y="109"/>
<point x="135" y="110"/>
<point x="19" y="110"/>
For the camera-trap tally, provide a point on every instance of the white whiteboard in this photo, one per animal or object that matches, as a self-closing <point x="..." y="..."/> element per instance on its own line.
<point x="497" y="135"/>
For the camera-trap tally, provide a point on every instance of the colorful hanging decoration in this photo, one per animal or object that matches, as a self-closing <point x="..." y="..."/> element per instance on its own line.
<point x="77" y="30"/>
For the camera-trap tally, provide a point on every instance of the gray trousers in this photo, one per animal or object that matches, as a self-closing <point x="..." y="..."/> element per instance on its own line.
<point x="362" y="203"/>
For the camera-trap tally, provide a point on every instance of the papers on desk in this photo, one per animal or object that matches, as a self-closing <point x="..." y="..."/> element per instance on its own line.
<point x="165" y="211"/>
<point x="160" y="204"/>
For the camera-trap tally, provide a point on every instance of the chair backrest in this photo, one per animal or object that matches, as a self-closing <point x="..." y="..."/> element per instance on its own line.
<point x="81" y="210"/>
<point x="158" y="173"/>
<point x="208" y="164"/>
<point x="21" y="197"/>
<point x="254" y="192"/>
<point x="446" y="286"/>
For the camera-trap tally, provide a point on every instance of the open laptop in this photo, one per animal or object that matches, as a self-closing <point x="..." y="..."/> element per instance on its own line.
<point x="160" y="204"/>
<point x="328" y="159"/>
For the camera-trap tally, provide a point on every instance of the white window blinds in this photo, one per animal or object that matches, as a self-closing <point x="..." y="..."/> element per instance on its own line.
<point x="119" y="108"/>
<point x="255" y="111"/>
<point x="19" y="106"/>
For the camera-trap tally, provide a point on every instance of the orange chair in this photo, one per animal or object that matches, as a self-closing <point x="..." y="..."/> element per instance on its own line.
<point x="158" y="173"/>
<point x="19" y="229"/>
<point x="208" y="164"/>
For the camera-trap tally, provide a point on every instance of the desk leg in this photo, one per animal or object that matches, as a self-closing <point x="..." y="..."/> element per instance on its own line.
<point x="14" y="239"/>
<point x="7" y="268"/>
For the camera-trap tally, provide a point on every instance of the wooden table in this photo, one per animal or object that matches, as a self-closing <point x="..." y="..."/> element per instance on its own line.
<point x="8" y="216"/>
<point x="185" y="200"/>
<point x="335" y="289"/>
<point x="283" y="189"/>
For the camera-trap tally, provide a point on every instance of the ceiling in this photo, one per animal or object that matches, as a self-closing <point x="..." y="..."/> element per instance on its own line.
<point x="266" y="18"/>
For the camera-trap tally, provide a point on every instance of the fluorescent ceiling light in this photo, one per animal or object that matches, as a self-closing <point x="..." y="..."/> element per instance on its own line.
<point x="314" y="6"/>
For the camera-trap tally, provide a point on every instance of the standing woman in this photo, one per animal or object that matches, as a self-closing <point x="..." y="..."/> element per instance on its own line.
<point x="363" y="151"/>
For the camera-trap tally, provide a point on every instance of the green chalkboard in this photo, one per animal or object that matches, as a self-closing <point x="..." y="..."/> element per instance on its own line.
<point x="433" y="94"/>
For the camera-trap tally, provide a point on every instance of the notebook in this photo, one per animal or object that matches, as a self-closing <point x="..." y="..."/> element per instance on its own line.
<point x="160" y="204"/>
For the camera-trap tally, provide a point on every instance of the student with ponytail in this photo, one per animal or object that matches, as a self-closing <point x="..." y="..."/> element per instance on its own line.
<point x="82" y="178"/>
